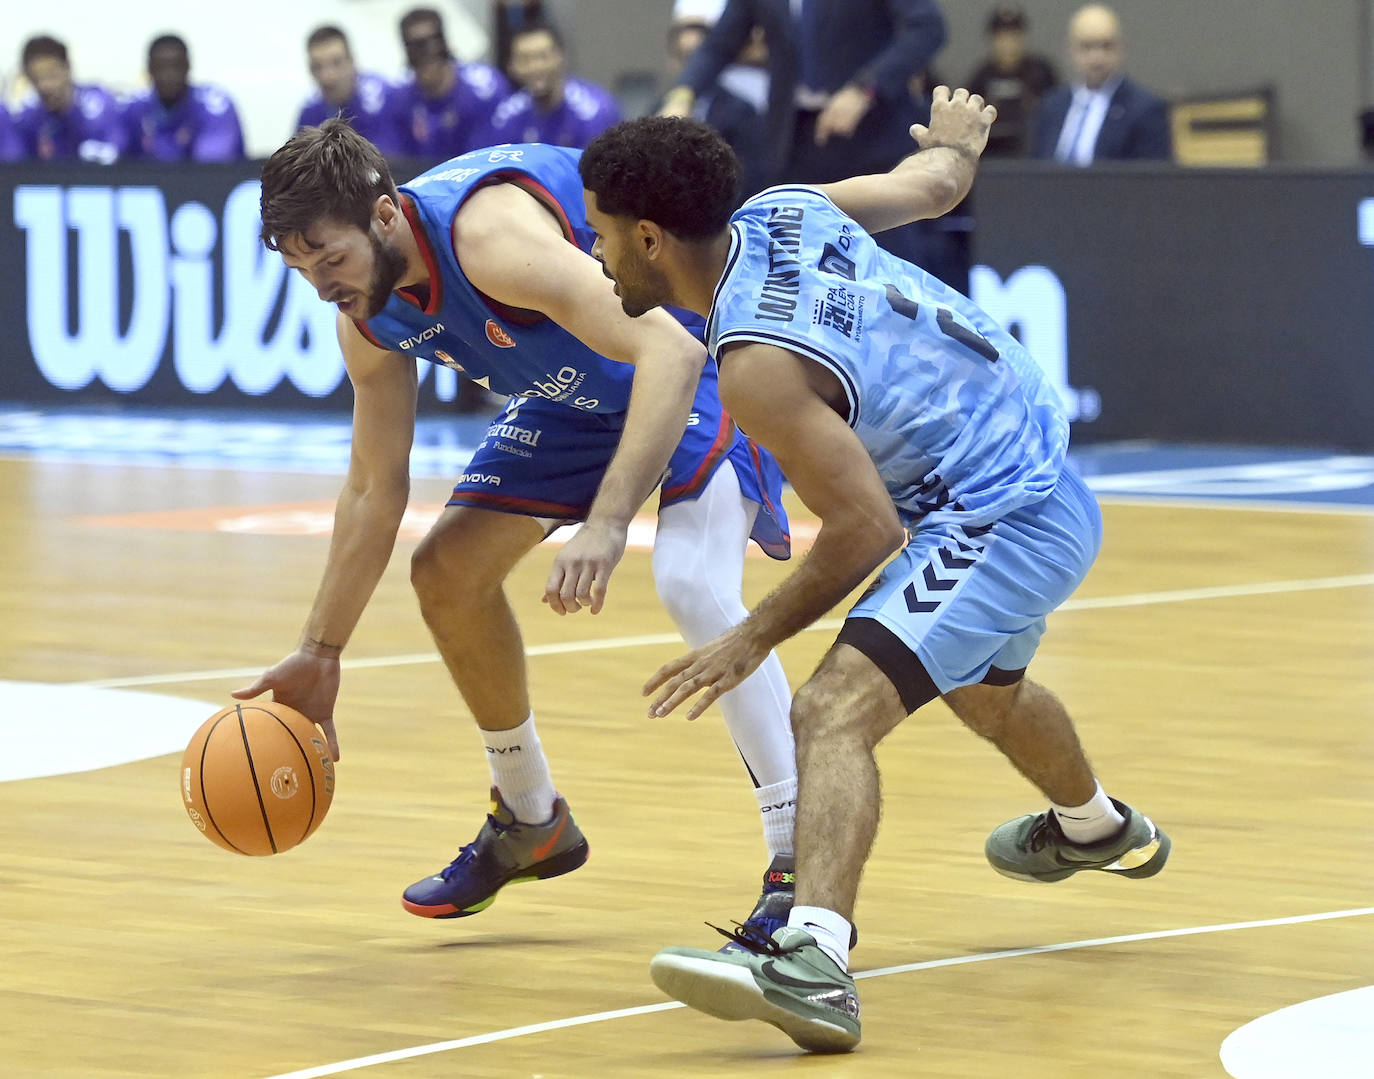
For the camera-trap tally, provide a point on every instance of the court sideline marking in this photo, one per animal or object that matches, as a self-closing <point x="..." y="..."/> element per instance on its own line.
<point x="1136" y="599"/>
<point x="906" y="968"/>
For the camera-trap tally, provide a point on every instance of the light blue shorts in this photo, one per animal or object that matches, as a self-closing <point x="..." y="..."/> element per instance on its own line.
<point x="963" y="605"/>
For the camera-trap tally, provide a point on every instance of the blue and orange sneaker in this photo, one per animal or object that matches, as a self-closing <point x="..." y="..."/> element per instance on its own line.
<point x="506" y="851"/>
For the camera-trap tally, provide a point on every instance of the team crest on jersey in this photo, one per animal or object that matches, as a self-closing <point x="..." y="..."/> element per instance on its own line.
<point x="497" y="336"/>
<point x="842" y="310"/>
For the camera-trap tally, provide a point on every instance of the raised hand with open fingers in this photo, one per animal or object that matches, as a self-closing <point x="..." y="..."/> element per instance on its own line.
<point x="958" y="120"/>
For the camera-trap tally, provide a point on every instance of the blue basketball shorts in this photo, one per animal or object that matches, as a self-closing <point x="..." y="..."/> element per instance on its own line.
<point x="543" y="459"/>
<point x="960" y="605"/>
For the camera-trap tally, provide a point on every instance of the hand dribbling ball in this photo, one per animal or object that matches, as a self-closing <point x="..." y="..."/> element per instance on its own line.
<point x="257" y="778"/>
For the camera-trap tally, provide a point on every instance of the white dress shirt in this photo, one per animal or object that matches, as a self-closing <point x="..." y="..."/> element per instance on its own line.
<point x="1083" y="123"/>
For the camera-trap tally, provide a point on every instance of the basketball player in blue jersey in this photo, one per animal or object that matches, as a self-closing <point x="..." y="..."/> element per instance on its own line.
<point x="481" y="264"/>
<point x="910" y="422"/>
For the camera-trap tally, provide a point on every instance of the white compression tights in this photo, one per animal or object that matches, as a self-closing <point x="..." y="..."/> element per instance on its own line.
<point x="699" y="574"/>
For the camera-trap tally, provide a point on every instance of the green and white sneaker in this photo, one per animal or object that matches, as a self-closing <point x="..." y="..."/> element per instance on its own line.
<point x="785" y="979"/>
<point x="1035" y="848"/>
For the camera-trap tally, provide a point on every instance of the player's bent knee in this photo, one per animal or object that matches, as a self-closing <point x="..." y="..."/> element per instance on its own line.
<point x="826" y="709"/>
<point x="426" y="576"/>
<point x="439" y="574"/>
<point x="678" y="592"/>
<point x="697" y="607"/>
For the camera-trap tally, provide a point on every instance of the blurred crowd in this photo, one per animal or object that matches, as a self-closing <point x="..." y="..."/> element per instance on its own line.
<point x="439" y="108"/>
<point x="804" y="90"/>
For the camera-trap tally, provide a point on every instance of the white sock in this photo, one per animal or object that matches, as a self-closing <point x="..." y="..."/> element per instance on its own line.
<point x="520" y="771"/>
<point x="1094" y="820"/>
<point x="778" y="807"/>
<point x="831" y="931"/>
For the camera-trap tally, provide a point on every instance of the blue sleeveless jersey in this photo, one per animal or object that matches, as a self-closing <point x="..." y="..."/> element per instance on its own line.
<point x="460" y="328"/>
<point x="952" y="409"/>
<point x="551" y="464"/>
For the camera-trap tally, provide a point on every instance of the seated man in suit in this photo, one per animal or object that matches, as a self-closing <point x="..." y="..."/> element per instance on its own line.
<point x="1102" y="116"/>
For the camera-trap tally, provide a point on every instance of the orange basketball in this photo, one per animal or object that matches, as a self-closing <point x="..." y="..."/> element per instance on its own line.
<point x="257" y="778"/>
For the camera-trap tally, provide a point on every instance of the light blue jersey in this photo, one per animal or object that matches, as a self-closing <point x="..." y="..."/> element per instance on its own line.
<point x="955" y="413"/>
<point x="965" y="433"/>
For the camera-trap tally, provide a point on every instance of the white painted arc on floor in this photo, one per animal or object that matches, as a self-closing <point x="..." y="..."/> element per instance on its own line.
<point x="1330" y="1036"/>
<point x="907" y="968"/>
<point x="98" y="728"/>
<point x="1138" y="599"/>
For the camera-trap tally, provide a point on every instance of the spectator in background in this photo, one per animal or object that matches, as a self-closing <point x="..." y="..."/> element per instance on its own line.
<point x="838" y="73"/>
<point x="839" y="102"/>
<point x="1012" y="80"/>
<point x="747" y="75"/>
<point x="62" y="120"/>
<point x="1103" y="116"/>
<point x="11" y="149"/>
<point x="735" y="119"/>
<point x="551" y="106"/>
<point x="176" y="121"/>
<point x="369" y="102"/>
<point x="508" y="18"/>
<point x="448" y="106"/>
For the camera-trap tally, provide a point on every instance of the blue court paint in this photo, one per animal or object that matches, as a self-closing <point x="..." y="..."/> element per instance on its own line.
<point x="309" y="442"/>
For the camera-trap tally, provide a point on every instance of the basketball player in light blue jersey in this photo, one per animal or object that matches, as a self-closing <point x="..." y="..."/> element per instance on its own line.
<point x="482" y="265"/>
<point x="908" y="421"/>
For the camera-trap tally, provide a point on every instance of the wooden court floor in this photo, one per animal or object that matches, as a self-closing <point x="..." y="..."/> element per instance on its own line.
<point x="1220" y="663"/>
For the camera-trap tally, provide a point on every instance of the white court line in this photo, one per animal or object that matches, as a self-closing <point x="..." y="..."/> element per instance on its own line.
<point x="1135" y="599"/>
<point x="953" y="961"/>
<point x="1221" y="591"/>
<point x="1227" y="502"/>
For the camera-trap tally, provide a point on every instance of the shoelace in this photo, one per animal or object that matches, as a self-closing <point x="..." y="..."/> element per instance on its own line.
<point x="467" y="851"/>
<point x="1044" y="831"/>
<point x="751" y="937"/>
<point x="764" y="924"/>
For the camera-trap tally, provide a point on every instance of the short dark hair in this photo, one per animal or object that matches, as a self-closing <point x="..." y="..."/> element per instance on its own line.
<point x="168" y="41"/>
<point x="417" y="15"/>
<point x="322" y="34"/>
<point x="325" y="173"/>
<point x="673" y="171"/>
<point x="433" y="46"/>
<point x="539" y="26"/>
<point x="1006" y="17"/>
<point x="37" y="48"/>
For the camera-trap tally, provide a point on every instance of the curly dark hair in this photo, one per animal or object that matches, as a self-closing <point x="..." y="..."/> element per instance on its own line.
<point x="675" y="172"/>
<point x="325" y="173"/>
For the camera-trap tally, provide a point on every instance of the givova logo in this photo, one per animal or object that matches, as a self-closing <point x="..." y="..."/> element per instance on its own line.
<point x="270" y="326"/>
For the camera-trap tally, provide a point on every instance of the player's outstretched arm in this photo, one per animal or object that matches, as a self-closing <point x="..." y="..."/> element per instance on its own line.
<point x="513" y="249"/>
<point x="367" y="517"/>
<point x="931" y="182"/>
